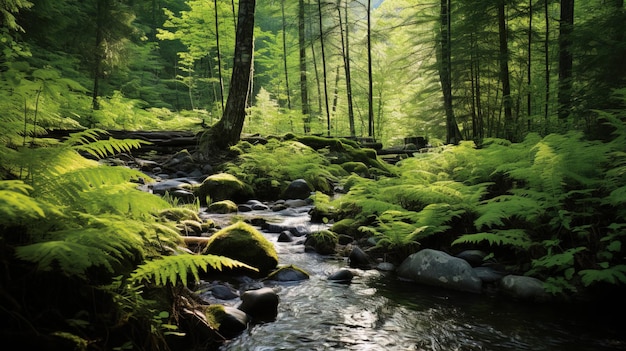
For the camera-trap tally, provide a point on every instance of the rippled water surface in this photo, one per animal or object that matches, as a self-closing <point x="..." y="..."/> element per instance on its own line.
<point x="378" y="312"/>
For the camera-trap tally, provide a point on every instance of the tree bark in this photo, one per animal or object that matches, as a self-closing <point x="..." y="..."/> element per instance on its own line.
<point x="345" y="53"/>
<point x="325" y="75"/>
<point x="504" y="72"/>
<point x="219" y="56"/>
<point x="370" y="93"/>
<point x="284" y="23"/>
<point x="453" y="135"/>
<point x="227" y="131"/>
<point x="304" y="93"/>
<point x="566" y="26"/>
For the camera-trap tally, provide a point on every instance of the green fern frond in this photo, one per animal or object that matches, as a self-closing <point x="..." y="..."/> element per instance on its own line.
<point x="171" y="269"/>
<point x="558" y="261"/>
<point x="15" y="203"/>
<point x="495" y="211"/>
<point x="73" y="259"/>
<point x="509" y="237"/>
<point x="612" y="275"/>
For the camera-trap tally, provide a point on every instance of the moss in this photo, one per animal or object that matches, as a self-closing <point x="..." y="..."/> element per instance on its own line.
<point x="224" y="186"/>
<point x="324" y="242"/>
<point x="242" y="242"/>
<point x="291" y="267"/>
<point x="177" y="214"/>
<point x="224" y="206"/>
<point x="214" y="314"/>
<point x="356" y="167"/>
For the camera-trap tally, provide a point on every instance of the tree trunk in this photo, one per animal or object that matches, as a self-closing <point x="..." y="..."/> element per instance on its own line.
<point x="345" y="53"/>
<point x="219" y="56"/>
<point x="370" y="93"/>
<point x="566" y="26"/>
<point x="453" y="135"/>
<point x="227" y="131"/>
<point x="546" y="47"/>
<point x="504" y="72"/>
<point x="325" y="76"/>
<point x="304" y="93"/>
<point x="282" y="9"/>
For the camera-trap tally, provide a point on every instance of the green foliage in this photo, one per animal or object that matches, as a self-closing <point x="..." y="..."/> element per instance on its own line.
<point x="516" y="238"/>
<point x="271" y="167"/>
<point x="175" y="269"/>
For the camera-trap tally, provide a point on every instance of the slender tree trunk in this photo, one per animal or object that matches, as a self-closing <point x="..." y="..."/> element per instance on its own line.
<point x="529" y="63"/>
<point x="504" y="72"/>
<point x="282" y="9"/>
<point x="346" y="65"/>
<point x="566" y="26"/>
<point x="227" y="131"/>
<point x="453" y="135"/>
<point x="98" y="54"/>
<point x="304" y="93"/>
<point x="318" y="81"/>
<point x="219" y="56"/>
<point x="370" y="84"/>
<point x="325" y="76"/>
<point x="546" y="47"/>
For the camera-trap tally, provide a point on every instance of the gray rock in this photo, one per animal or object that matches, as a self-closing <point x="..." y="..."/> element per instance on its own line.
<point x="437" y="268"/>
<point x="260" y="304"/>
<point x="341" y="276"/>
<point x="523" y="288"/>
<point x="232" y="322"/>
<point x="297" y="189"/>
<point x="358" y="258"/>
<point x="473" y="257"/>
<point x="284" y="237"/>
<point x="223" y="292"/>
<point x="488" y="274"/>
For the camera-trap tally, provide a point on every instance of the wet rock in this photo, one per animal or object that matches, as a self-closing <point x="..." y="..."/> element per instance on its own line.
<point x="288" y="274"/>
<point x="488" y="274"/>
<point x="299" y="230"/>
<point x="523" y="288"/>
<point x="224" y="206"/>
<point x="171" y="185"/>
<point x="224" y="186"/>
<point x="230" y="321"/>
<point x="284" y="237"/>
<point x="257" y="205"/>
<point x="341" y="276"/>
<point x="223" y="292"/>
<point x="244" y="243"/>
<point x="385" y="267"/>
<point x="437" y="268"/>
<point x="359" y="259"/>
<point x="297" y="189"/>
<point x="474" y="257"/>
<point x="260" y="304"/>
<point x="323" y="242"/>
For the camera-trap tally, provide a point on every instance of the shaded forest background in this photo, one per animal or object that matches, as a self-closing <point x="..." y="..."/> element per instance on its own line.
<point x="492" y="68"/>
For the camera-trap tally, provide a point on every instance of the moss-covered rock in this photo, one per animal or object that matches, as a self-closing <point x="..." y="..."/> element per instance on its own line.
<point x="323" y="242"/>
<point x="224" y="186"/>
<point x="228" y="321"/>
<point x="224" y="206"/>
<point x="242" y="242"/>
<point x="356" y="167"/>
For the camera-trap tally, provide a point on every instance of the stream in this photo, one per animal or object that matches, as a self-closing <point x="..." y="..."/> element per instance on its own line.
<point x="379" y="312"/>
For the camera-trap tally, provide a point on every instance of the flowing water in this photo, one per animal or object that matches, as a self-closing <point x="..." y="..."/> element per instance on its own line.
<point x="379" y="312"/>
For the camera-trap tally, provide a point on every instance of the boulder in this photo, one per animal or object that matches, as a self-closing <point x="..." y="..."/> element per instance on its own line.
<point x="342" y="276"/>
<point x="244" y="243"/>
<point x="323" y="242"/>
<point x="359" y="259"/>
<point x="224" y="186"/>
<point x="284" y="237"/>
<point x="437" y="268"/>
<point x="488" y="274"/>
<point x="228" y="321"/>
<point x="260" y="304"/>
<point x="523" y="288"/>
<point x="224" y="206"/>
<point x="289" y="273"/>
<point x="297" y="189"/>
<point x="474" y="257"/>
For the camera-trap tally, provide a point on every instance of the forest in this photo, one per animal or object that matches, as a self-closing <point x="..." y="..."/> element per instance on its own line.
<point x="522" y="103"/>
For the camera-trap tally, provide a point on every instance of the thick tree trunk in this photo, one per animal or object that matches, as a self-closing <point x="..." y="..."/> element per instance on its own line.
<point x="227" y="131"/>
<point x="566" y="26"/>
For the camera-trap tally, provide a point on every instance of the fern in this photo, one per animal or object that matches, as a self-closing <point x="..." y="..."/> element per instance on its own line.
<point x="612" y="275"/>
<point x="559" y="261"/>
<point x="171" y="269"/>
<point x="494" y="212"/>
<point x="516" y="238"/>
<point x="15" y="203"/>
